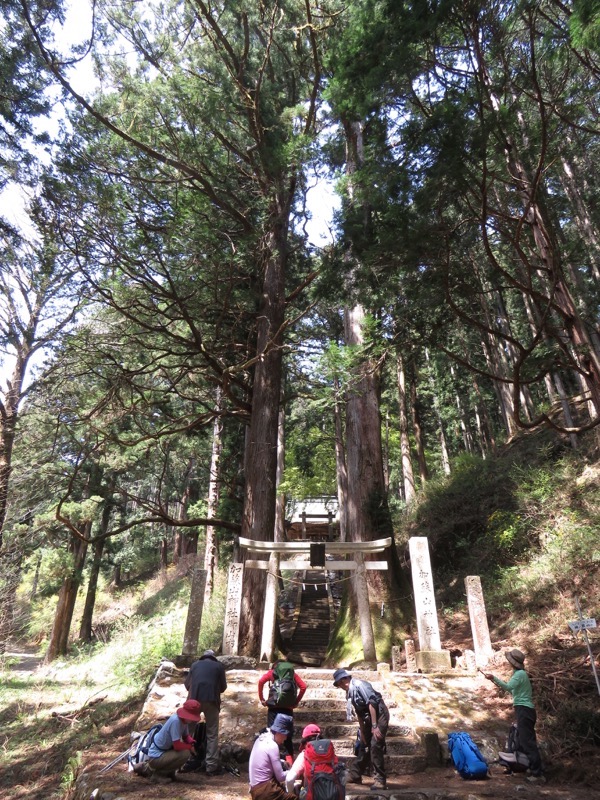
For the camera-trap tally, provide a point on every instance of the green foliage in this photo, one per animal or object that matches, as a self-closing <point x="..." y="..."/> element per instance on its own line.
<point x="149" y="642"/>
<point x="508" y="531"/>
<point x="459" y="514"/>
<point x="576" y="726"/>
<point x="70" y="774"/>
<point x="584" y="24"/>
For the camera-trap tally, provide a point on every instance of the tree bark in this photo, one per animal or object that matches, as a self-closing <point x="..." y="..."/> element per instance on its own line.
<point x="211" y="550"/>
<point x="85" y="628"/>
<point x="341" y="468"/>
<point x="417" y="426"/>
<point x="59" y="637"/>
<point x="407" y="470"/>
<point x="260" y="458"/>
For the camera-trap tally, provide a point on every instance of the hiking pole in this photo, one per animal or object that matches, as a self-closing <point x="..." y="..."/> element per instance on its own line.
<point x="115" y="761"/>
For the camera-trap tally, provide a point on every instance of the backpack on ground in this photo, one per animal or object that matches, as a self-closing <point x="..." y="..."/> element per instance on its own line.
<point x="513" y="759"/>
<point x="139" y="752"/>
<point x="465" y="755"/>
<point x="197" y="759"/>
<point x="283" y="691"/>
<point x="322" y="772"/>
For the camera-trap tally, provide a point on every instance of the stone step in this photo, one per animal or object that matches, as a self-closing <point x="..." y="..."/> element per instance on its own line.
<point x="336" y="729"/>
<point x="344" y="748"/>
<point x="396" y="764"/>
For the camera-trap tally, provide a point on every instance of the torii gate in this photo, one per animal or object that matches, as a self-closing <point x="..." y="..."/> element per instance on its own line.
<point x="318" y="552"/>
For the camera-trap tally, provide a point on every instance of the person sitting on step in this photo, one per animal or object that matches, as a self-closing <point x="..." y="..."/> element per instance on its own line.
<point x="296" y="771"/>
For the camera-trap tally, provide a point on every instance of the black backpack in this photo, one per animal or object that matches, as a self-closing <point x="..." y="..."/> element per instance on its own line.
<point x="283" y="692"/>
<point x="514" y="760"/>
<point x="139" y="751"/>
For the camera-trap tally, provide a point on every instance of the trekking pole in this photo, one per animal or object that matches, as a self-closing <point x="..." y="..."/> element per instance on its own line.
<point x="115" y="761"/>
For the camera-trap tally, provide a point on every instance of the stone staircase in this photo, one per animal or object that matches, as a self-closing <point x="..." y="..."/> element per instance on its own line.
<point x="326" y="705"/>
<point x="242" y="717"/>
<point x="310" y="639"/>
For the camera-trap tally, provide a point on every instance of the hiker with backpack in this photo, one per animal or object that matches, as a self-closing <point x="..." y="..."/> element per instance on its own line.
<point x="206" y="682"/>
<point x="171" y="744"/>
<point x="316" y="771"/>
<point x="286" y="690"/>
<point x="373" y="720"/>
<point x="265" y="770"/>
<point x="519" y="686"/>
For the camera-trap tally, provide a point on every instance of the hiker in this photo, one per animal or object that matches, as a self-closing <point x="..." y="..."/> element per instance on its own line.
<point x="296" y="771"/>
<point x="519" y="686"/>
<point x="266" y="773"/>
<point x="206" y="683"/>
<point x="373" y="720"/>
<point x="172" y="744"/>
<point x="285" y="693"/>
<point x="316" y="771"/>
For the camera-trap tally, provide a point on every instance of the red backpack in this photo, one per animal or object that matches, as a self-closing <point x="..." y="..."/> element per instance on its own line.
<point x="321" y="772"/>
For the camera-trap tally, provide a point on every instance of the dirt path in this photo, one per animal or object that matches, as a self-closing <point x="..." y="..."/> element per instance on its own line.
<point x="432" y="785"/>
<point x="23" y="661"/>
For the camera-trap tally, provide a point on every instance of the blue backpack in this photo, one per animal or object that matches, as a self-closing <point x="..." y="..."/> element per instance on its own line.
<point x="467" y="759"/>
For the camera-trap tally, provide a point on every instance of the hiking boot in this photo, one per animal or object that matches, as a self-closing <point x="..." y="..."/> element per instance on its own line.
<point x="378" y="784"/>
<point x="144" y="769"/>
<point x="535" y="779"/>
<point x="192" y="766"/>
<point x="215" y="771"/>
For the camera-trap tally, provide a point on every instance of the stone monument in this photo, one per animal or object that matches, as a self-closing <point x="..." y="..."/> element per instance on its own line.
<point x="479" y="624"/>
<point x="430" y="657"/>
<point x="233" y="607"/>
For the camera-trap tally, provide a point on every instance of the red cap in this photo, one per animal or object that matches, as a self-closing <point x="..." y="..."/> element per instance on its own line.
<point x="311" y="730"/>
<point x="189" y="711"/>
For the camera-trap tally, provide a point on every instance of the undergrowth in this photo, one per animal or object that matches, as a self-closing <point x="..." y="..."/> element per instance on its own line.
<point x="527" y="523"/>
<point x="66" y="707"/>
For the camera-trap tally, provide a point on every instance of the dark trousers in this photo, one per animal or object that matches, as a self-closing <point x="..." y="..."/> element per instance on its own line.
<point x="373" y="755"/>
<point x="271" y="714"/>
<point x="526" y="719"/>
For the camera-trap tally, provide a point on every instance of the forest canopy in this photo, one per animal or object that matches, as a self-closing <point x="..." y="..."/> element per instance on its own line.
<point x="180" y="357"/>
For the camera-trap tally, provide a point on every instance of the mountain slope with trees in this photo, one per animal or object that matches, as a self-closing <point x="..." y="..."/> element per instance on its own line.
<point x="200" y="361"/>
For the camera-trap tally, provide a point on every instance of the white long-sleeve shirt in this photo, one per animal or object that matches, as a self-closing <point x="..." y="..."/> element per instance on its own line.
<point x="295" y="772"/>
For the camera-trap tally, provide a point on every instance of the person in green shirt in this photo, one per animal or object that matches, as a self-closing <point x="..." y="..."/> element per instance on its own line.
<point x="519" y="686"/>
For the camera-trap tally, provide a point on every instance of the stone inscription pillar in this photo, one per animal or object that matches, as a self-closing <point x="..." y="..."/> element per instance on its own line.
<point x="231" y="632"/>
<point x="422" y="578"/>
<point x="430" y="656"/>
<point x="479" y="624"/>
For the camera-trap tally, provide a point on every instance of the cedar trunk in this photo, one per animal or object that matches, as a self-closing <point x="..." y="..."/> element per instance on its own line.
<point x="260" y="459"/>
